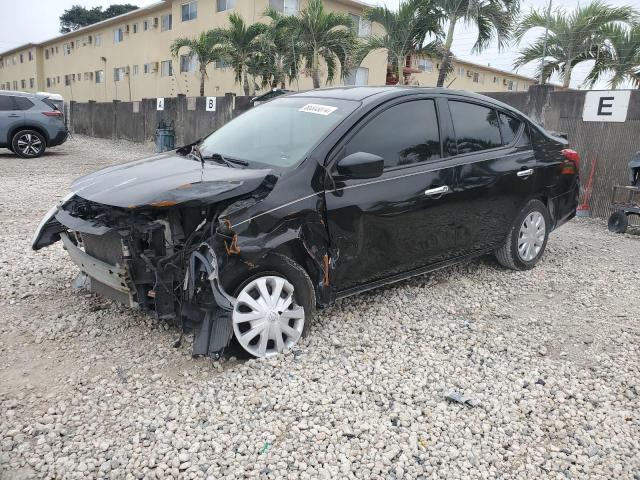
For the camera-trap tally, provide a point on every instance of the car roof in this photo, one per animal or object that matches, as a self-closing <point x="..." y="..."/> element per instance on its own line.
<point x="385" y="92"/>
<point x="15" y="93"/>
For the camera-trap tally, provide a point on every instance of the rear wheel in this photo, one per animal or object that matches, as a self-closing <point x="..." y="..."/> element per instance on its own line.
<point x="28" y="144"/>
<point x="274" y="308"/>
<point x="527" y="238"/>
<point x="618" y="222"/>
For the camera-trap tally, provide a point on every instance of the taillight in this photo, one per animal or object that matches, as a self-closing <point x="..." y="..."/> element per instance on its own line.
<point x="572" y="156"/>
<point x="53" y="113"/>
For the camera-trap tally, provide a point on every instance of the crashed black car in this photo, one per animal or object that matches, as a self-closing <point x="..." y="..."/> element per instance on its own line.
<point x="312" y="197"/>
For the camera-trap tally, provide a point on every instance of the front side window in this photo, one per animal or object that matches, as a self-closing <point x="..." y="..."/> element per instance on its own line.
<point x="6" y="103"/>
<point x="166" y="22"/>
<point x="189" y="11"/>
<point x="476" y="126"/>
<point x="166" y="70"/>
<point x="279" y="133"/>
<point x="288" y="7"/>
<point x="226" y="5"/>
<point x="415" y="139"/>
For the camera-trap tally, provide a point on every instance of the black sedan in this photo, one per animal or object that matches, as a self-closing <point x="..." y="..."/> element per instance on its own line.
<point x="312" y="197"/>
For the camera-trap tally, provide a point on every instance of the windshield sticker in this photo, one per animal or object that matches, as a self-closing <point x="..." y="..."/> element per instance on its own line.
<point x="318" y="109"/>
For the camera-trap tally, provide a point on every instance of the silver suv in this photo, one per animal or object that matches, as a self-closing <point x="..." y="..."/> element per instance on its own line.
<point x="29" y="123"/>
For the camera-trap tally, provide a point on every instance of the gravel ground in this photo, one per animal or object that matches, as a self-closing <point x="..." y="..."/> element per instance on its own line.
<point x="550" y="359"/>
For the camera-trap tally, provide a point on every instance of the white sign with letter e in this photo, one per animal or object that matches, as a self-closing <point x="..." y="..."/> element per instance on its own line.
<point x="160" y="103"/>
<point x="211" y="104"/>
<point x="606" y="106"/>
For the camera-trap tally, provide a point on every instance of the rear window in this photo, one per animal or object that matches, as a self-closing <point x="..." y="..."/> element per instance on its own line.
<point x="23" y="103"/>
<point x="6" y="103"/>
<point x="476" y="126"/>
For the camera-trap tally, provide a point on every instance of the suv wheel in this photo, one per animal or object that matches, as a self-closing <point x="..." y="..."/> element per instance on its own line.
<point x="618" y="222"/>
<point x="28" y="144"/>
<point x="527" y="238"/>
<point x="274" y="308"/>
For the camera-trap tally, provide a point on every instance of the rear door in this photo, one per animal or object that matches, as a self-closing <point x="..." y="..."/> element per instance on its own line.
<point x="10" y="118"/>
<point x="404" y="219"/>
<point x="496" y="172"/>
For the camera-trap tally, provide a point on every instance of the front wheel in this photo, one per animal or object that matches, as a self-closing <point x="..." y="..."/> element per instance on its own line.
<point x="274" y="307"/>
<point x="28" y="144"/>
<point x="527" y="238"/>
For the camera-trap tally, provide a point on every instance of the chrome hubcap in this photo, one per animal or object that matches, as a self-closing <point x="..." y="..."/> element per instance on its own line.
<point x="266" y="319"/>
<point x="531" y="236"/>
<point x="29" y="144"/>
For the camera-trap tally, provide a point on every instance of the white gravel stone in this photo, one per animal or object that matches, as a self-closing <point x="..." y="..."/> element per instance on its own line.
<point x="89" y="388"/>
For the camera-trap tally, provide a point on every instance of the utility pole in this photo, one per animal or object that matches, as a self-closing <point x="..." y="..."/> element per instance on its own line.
<point x="544" y="47"/>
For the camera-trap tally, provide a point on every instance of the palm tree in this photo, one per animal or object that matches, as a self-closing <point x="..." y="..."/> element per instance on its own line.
<point x="206" y="48"/>
<point x="492" y="18"/>
<point x="618" y="57"/>
<point x="573" y="37"/>
<point x="322" y="35"/>
<point x="239" y="42"/>
<point x="406" y="31"/>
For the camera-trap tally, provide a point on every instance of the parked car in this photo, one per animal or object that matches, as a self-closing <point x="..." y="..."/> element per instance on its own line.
<point x="312" y="197"/>
<point x="30" y="122"/>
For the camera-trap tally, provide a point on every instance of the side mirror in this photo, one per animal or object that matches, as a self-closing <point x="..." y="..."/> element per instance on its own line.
<point x="361" y="165"/>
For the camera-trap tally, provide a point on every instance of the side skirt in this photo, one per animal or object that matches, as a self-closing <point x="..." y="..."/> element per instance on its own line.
<point x="411" y="273"/>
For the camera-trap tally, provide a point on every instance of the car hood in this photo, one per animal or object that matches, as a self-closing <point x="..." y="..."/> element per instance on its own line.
<point x="167" y="179"/>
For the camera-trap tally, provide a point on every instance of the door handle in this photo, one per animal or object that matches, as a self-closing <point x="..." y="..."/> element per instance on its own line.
<point x="437" y="191"/>
<point x="525" y="173"/>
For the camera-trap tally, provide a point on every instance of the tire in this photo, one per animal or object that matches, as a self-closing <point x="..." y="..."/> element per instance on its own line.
<point x="276" y="271"/>
<point x="526" y="226"/>
<point x="618" y="222"/>
<point x="28" y="144"/>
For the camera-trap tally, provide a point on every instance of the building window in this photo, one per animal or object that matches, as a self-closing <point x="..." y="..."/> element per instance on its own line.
<point x="460" y="71"/>
<point x="66" y="49"/>
<point x="359" y="76"/>
<point x="99" y="76"/>
<point x="188" y="63"/>
<point x="135" y="28"/>
<point x="189" y="11"/>
<point x="21" y="58"/>
<point x="48" y="82"/>
<point x="67" y="80"/>
<point x="425" y="65"/>
<point x="510" y="84"/>
<point x="98" y="41"/>
<point x="118" y="35"/>
<point x="32" y="83"/>
<point x="23" y="84"/>
<point x="476" y="77"/>
<point x="145" y="25"/>
<point x="221" y="64"/>
<point x="118" y="74"/>
<point x="15" y="85"/>
<point x="46" y="54"/>
<point x="361" y="26"/>
<point x="136" y="69"/>
<point x="288" y="7"/>
<point x="167" y="20"/>
<point x="166" y="68"/>
<point x="30" y="54"/>
<point x="226" y="5"/>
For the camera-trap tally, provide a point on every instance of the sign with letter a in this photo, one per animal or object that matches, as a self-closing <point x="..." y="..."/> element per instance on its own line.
<point x="606" y="106"/>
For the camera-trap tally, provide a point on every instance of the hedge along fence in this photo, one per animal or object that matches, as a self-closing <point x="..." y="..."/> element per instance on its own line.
<point x="137" y="121"/>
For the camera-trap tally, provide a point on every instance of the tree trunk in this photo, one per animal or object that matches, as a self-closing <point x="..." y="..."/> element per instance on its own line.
<point x="446" y="56"/>
<point x="567" y="75"/>
<point x="203" y="74"/>
<point x="400" y="62"/>
<point x="245" y="83"/>
<point x="315" y="71"/>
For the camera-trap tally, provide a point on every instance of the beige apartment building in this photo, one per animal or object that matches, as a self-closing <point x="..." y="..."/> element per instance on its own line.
<point x="127" y="57"/>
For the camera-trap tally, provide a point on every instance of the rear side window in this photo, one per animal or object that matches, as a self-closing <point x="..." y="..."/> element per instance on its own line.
<point x="23" y="103"/>
<point x="6" y="103"/>
<point x="404" y="134"/>
<point x="476" y="126"/>
<point x="509" y="126"/>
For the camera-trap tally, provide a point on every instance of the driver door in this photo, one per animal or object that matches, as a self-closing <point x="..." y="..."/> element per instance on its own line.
<point x="404" y="219"/>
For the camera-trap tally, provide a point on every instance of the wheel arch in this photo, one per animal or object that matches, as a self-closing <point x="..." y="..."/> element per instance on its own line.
<point x="20" y="128"/>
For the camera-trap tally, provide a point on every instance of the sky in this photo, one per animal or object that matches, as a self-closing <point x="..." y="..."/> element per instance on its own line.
<point x="27" y="21"/>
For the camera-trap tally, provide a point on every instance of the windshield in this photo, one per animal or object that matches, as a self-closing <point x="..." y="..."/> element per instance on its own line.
<point x="279" y="133"/>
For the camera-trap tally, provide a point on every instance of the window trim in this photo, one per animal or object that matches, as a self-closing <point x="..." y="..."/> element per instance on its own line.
<point x="337" y="151"/>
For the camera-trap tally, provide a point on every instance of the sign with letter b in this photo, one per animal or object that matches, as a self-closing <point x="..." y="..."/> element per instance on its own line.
<point x="211" y="104"/>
